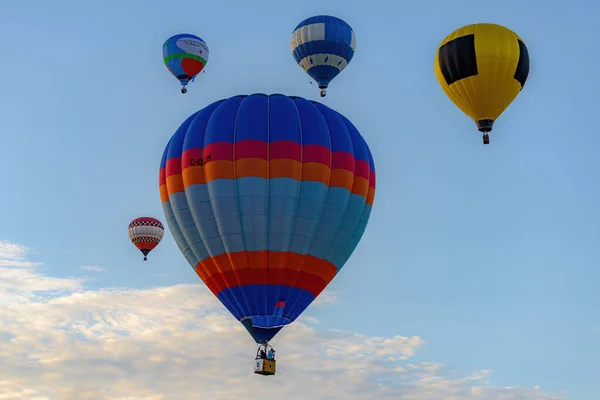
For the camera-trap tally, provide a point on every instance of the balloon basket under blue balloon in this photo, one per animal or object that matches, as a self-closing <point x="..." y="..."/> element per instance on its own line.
<point x="265" y="367"/>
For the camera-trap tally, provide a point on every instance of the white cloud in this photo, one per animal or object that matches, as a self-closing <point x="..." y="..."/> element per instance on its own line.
<point x="13" y="255"/>
<point x="179" y="342"/>
<point x="19" y="281"/>
<point x="92" y="268"/>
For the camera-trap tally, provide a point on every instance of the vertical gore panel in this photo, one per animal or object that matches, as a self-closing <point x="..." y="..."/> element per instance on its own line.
<point x="523" y="66"/>
<point x="457" y="59"/>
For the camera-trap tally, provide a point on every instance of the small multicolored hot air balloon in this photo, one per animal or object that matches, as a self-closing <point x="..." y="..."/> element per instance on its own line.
<point x="185" y="56"/>
<point x="146" y="233"/>
<point x="482" y="68"/>
<point x="267" y="197"/>
<point x="323" y="46"/>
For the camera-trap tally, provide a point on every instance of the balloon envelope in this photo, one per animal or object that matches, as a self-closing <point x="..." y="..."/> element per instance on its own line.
<point x="482" y="68"/>
<point x="267" y="197"/>
<point x="323" y="46"/>
<point x="185" y="56"/>
<point x="146" y="233"/>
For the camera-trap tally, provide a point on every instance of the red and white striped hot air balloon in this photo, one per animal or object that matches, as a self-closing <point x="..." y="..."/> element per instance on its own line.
<point x="146" y="233"/>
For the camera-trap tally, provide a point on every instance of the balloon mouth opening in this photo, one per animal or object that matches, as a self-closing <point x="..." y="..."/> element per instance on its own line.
<point x="260" y="334"/>
<point x="322" y="86"/>
<point x="485" y="125"/>
<point x="184" y="79"/>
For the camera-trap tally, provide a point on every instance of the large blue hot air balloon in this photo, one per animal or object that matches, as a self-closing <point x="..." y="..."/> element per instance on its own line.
<point x="267" y="197"/>
<point x="323" y="46"/>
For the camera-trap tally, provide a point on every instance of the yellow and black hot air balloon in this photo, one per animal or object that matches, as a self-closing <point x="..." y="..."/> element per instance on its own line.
<point x="482" y="68"/>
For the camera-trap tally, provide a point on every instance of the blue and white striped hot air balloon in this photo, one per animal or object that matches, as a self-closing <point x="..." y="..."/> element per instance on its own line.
<point x="323" y="46"/>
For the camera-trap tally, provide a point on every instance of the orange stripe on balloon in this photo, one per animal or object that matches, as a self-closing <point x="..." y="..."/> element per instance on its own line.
<point x="247" y="268"/>
<point x="285" y="168"/>
<point x="259" y="267"/>
<point x="193" y="176"/>
<point x="342" y="178"/>
<point x="279" y="168"/>
<point x="298" y="279"/>
<point x="219" y="170"/>
<point x="246" y="167"/>
<point x="164" y="194"/>
<point x="219" y="270"/>
<point x="361" y="186"/>
<point x="315" y="172"/>
<point x="209" y="282"/>
<point x="370" y="196"/>
<point x="174" y="184"/>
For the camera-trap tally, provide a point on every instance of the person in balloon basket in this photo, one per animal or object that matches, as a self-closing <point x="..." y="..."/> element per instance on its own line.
<point x="268" y="355"/>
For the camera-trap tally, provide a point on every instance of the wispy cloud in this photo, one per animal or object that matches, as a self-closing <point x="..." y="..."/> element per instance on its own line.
<point x="92" y="268"/>
<point x="19" y="281"/>
<point x="179" y="342"/>
<point x="13" y="255"/>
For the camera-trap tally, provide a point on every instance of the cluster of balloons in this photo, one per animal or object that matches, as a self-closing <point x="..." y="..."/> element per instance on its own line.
<point x="322" y="46"/>
<point x="267" y="196"/>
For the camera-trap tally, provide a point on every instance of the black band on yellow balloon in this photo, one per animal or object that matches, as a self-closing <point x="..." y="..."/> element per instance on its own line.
<point x="523" y="66"/>
<point x="457" y="59"/>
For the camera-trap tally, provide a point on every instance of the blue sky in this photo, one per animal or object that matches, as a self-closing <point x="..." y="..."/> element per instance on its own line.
<point x="487" y="253"/>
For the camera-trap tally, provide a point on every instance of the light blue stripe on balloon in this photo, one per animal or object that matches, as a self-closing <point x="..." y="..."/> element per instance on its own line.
<point x="187" y="225"/>
<point x="340" y="250"/>
<point x="200" y="207"/>
<point x="357" y="233"/>
<point x="310" y="204"/>
<point x="223" y="198"/>
<point x="197" y="194"/>
<point x="361" y="226"/>
<point x="178" y="235"/>
<point x="205" y="219"/>
<point x="333" y="212"/>
<point x="316" y="218"/>
<point x="283" y="203"/>
<point x="286" y="187"/>
<point x="252" y="197"/>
